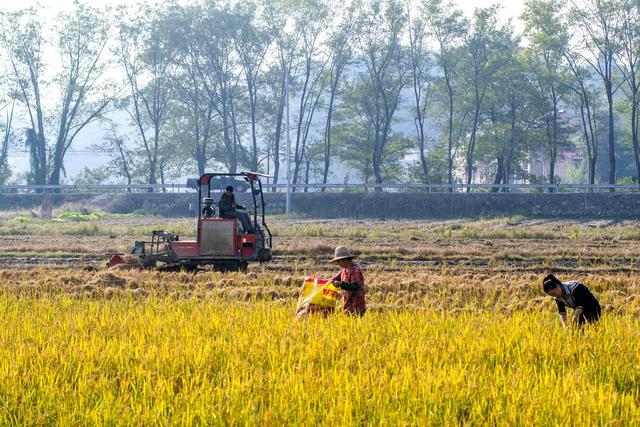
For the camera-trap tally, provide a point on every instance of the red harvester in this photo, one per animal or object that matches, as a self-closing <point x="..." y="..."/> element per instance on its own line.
<point x="220" y="243"/>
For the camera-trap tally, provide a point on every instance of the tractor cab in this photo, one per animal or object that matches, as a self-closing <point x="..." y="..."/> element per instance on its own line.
<point x="221" y="240"/>
<point x="220" y="234"/>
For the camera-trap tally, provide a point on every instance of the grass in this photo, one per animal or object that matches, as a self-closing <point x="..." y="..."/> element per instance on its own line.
<point x="71" y="223"/>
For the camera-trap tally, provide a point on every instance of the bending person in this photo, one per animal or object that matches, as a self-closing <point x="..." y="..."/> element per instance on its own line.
<point x="575" y="295"/>
<point x="228" y="210"/>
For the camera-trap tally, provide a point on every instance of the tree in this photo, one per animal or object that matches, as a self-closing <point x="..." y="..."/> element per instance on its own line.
<point x="95" y="176"/>
<point x="376" y="95"/>
<point x="196" y="109"/>
<point x="628" y="61"/>
<point x="548" y="37"/>
<point x="310" y="21"/>
<point x="421" y="65"/>
<point x="595" y="22"/>
<point x="484" y="45"/>
<point x="147" y="56"/>
<point x="448" y="27"/>
<point x="510" y="116"/>
<point x="82" y="36"/>
<point x="23" y="41"/>
<point x="341" y="44"/>
<point x="587" y="101"/>
<point x="281" y="71"/>
<point x="252" y="40"/>
<point x="220" y="75"/>
<point x="122" y="160"/>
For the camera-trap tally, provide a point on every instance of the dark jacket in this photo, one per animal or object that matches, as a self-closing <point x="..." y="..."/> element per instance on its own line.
<point x="576" y="295"/>
<point x="226" y="204"/>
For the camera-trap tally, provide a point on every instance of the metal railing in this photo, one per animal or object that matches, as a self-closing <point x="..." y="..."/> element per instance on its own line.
<point x="457" y="188"/>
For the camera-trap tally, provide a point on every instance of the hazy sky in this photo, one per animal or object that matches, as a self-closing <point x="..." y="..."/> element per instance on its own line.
<point x="511" y="8"/>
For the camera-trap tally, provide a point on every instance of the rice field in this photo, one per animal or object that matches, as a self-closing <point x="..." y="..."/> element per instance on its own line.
<point x="458" y="331"/>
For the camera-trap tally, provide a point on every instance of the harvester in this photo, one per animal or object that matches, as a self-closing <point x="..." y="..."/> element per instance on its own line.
<point x="221" y="243"/>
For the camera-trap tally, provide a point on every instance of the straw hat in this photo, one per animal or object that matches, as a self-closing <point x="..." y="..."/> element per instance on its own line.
<point x="342" y="253"/>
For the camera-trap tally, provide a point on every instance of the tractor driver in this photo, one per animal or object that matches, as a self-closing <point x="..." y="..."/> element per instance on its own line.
<point x="207" y="211"/>
<point x="228" y="210"/>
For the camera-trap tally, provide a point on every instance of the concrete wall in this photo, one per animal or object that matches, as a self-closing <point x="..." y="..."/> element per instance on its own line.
<point x="473" y="205"/>
<point x="370" y="205"/>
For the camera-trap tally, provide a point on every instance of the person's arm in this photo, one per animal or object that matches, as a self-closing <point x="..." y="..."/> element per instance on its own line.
<point x="562" y="312"/>
<point x="336" y="278"/>
<point x="576" y="315"/>
<point x="349" y="286"/>
<point x="583" y="298"/>
<point x="235" y="205"/>
<point x="356" y="280"/>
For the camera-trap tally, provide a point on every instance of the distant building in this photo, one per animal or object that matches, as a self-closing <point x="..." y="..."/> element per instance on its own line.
<point x="538" y="166"/>
<point x="565" y="166"/>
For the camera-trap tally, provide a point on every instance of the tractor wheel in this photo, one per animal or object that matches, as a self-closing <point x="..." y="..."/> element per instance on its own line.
<point x="243" y="266"/>
<point x="148" y="263"/>
<point x="189" y="267"/>
<point x="229" y="266"/>
<point x="177" y="268"/>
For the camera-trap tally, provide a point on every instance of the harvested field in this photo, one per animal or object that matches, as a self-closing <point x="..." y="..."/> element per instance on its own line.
<point x="458" y="330"/>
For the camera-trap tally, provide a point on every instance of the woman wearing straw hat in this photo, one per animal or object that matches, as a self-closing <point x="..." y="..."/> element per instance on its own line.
<point x="351" y="280"/>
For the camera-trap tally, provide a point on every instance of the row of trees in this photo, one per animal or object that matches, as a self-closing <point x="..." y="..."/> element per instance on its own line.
<point x="186" y="88"/>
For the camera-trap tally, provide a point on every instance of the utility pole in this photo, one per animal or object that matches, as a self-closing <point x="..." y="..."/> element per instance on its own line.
<point x="286" y="94"/>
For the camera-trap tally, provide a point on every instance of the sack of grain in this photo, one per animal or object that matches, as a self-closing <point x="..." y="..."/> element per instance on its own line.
<point x="317" y="296"/>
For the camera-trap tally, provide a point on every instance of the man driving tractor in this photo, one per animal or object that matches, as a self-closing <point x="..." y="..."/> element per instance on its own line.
<point x="228" y="210"/>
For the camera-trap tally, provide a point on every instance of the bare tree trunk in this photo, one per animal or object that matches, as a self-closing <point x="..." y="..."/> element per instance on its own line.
<point x="327" y="133"/>
<point x="553" y="150"/>
<point x="297" y="152"/>
<point x="588" y="136"/>
<point x="279" y="126"/>
<point x="499" y="174"/>
<point x="254" y="139"/>
<point x="612" y="152"/>
<point x="420" y="131"/>
<point x="472" y="139"/>
<point x="634" y="137"/>
<point x="512" y="145"/>
<point x="6" y="139"/>
<point x="449" y="130"/>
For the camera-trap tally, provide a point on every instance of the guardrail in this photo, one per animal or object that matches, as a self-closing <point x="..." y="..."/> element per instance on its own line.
<point x="102" y="188"/>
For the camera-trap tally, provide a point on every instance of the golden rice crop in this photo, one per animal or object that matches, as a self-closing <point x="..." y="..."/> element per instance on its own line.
<point x="409" y="288"/>
<point x="458" y="331"/>
<point x="72" y="361"/>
